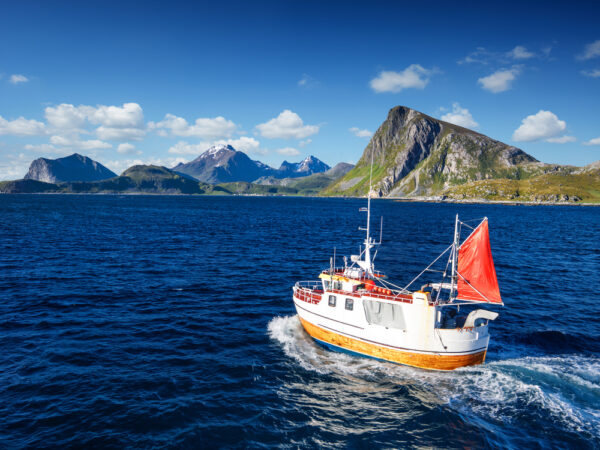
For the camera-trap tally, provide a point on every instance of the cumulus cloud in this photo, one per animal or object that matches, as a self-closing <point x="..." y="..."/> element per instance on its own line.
<point x="590" y="51"/>
<point x="17" y="78"/>
<point x="128" y="149"/>
<point x="13" y="166"/>
<point x="562" y="139"/>
<point x="414" y="76"/>
<point x="22" y="127"/>
<point x="304" y="143"/>
<point x="595" y="141"/>
<point x="360" y="133"/>
<point x="520" y="52"/>
<point x="460" y="116"/>
<point x="542" y="125"/>
<point x="130" y="115"/>
<point x="287" y="125"/>
<point x="116" y="123"/>
<point x="288" y="151"/>
<point x="73" y="142"/>
<point x="594" y="73"/>
<point x="204" y="128"/>
<point x="120" y="134"/>
<point x="499" y="81"/>
<point x="244" y="144"/>
<point x="185" y="148"/>
<point x="65" y="116"/>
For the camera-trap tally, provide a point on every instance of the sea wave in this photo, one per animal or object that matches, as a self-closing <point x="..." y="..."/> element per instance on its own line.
<point x="560" y="390"/>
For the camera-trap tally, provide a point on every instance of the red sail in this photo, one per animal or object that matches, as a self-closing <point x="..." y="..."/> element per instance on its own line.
<point x="476" y="278"/>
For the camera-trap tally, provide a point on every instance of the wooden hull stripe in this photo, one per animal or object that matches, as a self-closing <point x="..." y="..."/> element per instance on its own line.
<point x="425" y="361"/>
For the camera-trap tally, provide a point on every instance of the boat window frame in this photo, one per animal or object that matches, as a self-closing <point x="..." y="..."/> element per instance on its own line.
<point x="334" y="298"/>
<point x="349" y="301"/>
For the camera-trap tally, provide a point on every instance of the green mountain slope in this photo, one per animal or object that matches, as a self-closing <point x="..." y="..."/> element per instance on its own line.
<point x="417" y="155"/>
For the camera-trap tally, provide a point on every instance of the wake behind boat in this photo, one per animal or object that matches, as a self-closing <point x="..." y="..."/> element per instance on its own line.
<point x="355" y="308"/>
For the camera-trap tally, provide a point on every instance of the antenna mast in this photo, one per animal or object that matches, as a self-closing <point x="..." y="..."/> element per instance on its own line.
<point x="454" y="256"/>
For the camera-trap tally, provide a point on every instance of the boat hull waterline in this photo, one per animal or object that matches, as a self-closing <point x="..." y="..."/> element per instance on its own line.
<point x="349" y="332"/>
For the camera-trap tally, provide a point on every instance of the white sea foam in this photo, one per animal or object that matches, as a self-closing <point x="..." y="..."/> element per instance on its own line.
<point x="565" y="389"/>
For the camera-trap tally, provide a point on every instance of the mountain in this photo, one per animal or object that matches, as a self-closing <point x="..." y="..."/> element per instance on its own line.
<point x="136" y="179"/>
<point x="572" y="184"/>
<point x="309" y="185"/>
<point x="70" y="168"/>
<point x="415" y="155"/>
<point x="223" y="163"/>
<point x="307" y="166"/>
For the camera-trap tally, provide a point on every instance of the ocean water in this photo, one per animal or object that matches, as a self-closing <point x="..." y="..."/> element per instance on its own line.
<point x="167" y="321"/>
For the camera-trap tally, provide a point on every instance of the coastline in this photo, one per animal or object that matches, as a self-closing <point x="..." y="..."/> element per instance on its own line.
<point x="476" y="201"/>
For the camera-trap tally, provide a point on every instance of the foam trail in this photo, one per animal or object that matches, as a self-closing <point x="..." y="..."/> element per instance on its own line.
<point x="565" y="389"/>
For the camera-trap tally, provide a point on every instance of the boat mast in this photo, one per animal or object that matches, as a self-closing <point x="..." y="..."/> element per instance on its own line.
<point x="368" y="263"/>
<point x="454" y="257"/>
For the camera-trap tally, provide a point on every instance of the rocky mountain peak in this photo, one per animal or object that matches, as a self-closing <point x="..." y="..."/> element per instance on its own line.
<point x="75" y="167"/>
<point x="416" y="154"/>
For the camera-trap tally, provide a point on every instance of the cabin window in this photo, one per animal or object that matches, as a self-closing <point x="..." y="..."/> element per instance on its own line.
<point x="349" y="304"/>
<point x="384" y="314"/>
<point x="337" y="285"/>
<point x="332" y="300"/>
<point x="326" y="284"/>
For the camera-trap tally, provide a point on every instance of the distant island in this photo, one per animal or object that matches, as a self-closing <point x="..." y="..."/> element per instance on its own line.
<point x="415" y="157"/>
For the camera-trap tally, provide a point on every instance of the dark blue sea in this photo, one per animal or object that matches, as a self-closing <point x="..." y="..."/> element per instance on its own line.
<point x="167" y="321"/>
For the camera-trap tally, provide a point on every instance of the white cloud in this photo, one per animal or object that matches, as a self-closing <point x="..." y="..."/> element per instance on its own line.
<point x="287" y="125"/>
<point x="414" y="76"/>
<point x="116" y="123"/>
<point x="204" y="128"/>
<point x="594" y="73"/>
<point x="120" y="134"/>
<point x="304" y="143"/>
<point x="562" y="139"/>
<point x="43" y="148"/>
<point x="307" y="81"/>
<point x="130" y="115"/>
<point x="22" y="127"/>
<point x="17" y="78"/>
<point x="184" y="148"/>
<point x="590" y="51"/>
<point x="244" y="144"/>
<point x="288" y="151"/>
<point x="543" y="125"/>
<point x="77" y="144"/>
<point x="481" y="55"/>
<point x="65" y="116"/>
<point x="520" y="52"/>
<point x="128" y="149"/>
<point x="460" y="116"/>
<point x="360" y="133"/>
<point x="499" y="81"/>
<point x="14" y="166"/>
<point x="595" y="141"/>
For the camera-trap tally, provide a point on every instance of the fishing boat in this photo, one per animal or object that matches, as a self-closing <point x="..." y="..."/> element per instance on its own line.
<point x="441" y="326"/>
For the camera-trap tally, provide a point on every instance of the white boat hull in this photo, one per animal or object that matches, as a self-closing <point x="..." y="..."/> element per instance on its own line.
<point x="420" y="342"/>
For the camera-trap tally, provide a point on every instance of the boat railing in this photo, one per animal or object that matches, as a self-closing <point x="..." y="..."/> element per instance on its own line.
<point x="310" y="285"/>
<point x="341" y="271"/>
<point x="308" y="291"/>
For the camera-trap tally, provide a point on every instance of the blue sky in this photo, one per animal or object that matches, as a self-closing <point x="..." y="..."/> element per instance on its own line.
<point x="159" y="82"/>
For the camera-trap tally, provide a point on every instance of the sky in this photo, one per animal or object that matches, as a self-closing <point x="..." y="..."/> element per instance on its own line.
<point x="160" y="82"/>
